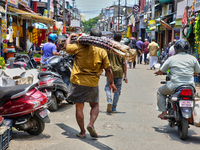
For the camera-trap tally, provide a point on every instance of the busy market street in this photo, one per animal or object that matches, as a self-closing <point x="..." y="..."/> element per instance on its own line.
<point x="135" y="125"/>
<point x="107" y="75"/>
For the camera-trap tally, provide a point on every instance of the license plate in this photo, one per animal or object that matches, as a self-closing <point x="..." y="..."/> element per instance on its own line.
<point x="48" y="94"/>
<point x="44" y="113"/>
<point x="183" y="103"/>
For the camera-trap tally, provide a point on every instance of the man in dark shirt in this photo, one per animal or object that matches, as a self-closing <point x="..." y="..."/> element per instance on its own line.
<point x="118" y="66"/>
<point x="145" y="50"/>
<point x="139" y="50"/>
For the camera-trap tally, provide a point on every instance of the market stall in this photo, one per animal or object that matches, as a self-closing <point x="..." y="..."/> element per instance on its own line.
<point x="22" y="30"/>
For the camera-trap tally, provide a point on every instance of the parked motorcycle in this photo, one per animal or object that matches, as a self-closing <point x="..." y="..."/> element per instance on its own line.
<point x="180" y="107"/>
<point x="26" y="106"/>
<point x="26" y="61"/>
<point x="54" y="79"/>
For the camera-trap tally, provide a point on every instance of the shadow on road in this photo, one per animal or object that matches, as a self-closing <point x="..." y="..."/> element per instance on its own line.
<point x="117" y="112"/>
<point x="23" y="136"/>
<point x="173" y="134"/>
<point x="71" y="133"/>
<point x="64" y="106"/>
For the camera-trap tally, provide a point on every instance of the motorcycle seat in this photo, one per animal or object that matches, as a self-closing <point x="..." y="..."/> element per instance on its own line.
<point x="41" y="74"/>
<point x="8" y="92"/>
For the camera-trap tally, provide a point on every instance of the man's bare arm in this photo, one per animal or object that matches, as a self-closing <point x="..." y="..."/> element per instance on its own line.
<point x="68" y="41"/>
<point x="110" y="77"/>
<point x="125" y="71"/>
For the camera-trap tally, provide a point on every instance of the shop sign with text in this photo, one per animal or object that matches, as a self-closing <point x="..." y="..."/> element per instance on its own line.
<point x="13" y="3"/>
<point x="152" y="25"/>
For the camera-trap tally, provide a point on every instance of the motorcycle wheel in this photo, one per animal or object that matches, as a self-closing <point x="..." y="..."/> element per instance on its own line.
<point x="54" y="105"/>
<point x="183" y="128"/>
<point x="38" y="128"/>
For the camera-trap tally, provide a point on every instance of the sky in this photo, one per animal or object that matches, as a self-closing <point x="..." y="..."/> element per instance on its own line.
<point x="92" y="8"/>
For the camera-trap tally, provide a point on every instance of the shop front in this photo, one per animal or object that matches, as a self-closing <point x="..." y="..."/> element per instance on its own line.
<point x="25" y="29"/>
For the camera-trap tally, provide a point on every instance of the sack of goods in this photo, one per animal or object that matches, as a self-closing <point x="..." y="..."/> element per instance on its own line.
<point x="105" y="43"/>
<point x="196" y="114"/>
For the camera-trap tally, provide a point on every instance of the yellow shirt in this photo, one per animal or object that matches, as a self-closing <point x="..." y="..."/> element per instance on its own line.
<point x="87" y="64"/>
<point x="153" y="48"/>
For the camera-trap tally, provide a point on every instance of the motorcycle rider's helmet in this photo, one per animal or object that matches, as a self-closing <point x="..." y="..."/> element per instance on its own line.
<point x="170" y="44"/>
<point x="181" y="46"/>
<point x="52" y="37"/>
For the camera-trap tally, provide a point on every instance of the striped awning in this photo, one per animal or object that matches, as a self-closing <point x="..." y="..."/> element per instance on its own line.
<point x="31" y="16"/>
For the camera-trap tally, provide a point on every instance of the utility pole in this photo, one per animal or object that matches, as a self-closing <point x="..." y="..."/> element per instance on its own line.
<point x="64" y="18"/>
<point x="48" y="8"/>
<point x="126" y="19"/>
<point x="114" y="16"/>
<point x="109" y="19"/>
<point x="55" y="9"/>
<point x="73" y="3"/>
<point x="118" y="14"/>
<point x="153" y="17"/>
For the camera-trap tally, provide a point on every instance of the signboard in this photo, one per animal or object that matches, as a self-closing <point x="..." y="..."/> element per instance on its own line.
<point x="24" y="2"/>
<point x="166" y="25"/>
<point x="197" y="5"/>
<point x="13" y="3"/>
<point x="42" y="1"/>
<point x="147" y="30"/>
<point x="75" y="23"/>
<point x="152" y="25"/>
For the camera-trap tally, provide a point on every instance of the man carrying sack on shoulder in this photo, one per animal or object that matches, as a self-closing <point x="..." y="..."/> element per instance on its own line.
<point x="84" y="80"/>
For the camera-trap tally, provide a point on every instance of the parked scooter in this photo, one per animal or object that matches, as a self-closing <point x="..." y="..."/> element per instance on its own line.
<point x="26" y="106"/>
<point x="180" y="107"/>
<point x="54" y="79"/>
<point x="23" y="60"/>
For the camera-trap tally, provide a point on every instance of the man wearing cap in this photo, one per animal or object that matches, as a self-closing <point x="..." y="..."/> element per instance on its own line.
<point x="139" y="50"/>
<point x="145" y="50"/>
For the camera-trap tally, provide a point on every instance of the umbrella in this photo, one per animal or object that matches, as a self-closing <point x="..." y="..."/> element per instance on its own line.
<point x="40" y="26"/>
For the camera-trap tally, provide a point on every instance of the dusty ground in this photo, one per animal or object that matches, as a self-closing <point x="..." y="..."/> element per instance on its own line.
<point x="134" y="126"/>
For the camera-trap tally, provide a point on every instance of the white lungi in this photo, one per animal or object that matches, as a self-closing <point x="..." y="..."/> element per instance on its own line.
<point x="153" y="60"/>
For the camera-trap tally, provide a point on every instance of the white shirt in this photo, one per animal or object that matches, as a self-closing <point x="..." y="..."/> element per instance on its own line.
<point x="182" y="67"/>
<point x="172" y="50"/>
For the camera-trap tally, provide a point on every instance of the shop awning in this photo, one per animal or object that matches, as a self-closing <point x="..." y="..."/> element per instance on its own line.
<point x="166" y="25"/>
<point x="173" y="22"/>
<point x="31" y="16"/>
<point x="165" y="1"/>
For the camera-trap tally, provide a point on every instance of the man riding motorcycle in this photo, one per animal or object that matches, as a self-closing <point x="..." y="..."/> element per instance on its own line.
<point x="182" y="67"/>
<point x="49" y="49"/>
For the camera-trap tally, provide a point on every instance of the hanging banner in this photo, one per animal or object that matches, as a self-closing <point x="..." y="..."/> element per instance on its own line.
<point x="13" y="3"/>
<point x="152" y="25"/>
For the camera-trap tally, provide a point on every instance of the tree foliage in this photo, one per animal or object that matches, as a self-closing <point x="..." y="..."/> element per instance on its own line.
<point x="88" y="25"/>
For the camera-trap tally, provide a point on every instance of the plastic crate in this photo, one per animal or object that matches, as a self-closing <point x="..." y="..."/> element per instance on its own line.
<point x="4" y="137"/>
<point x="8" y="123"/>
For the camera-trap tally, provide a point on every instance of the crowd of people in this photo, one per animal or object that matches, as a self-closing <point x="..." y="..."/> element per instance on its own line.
<point x="86" y="73"/>
<point x="148" y="51"/>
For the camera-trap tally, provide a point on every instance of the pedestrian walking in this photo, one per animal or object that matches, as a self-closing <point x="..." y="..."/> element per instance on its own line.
<point x="132" y="45"/>
<point x="118" y="65"/>
<point x="139" y="50"/>
<point x="171" y="49"/>
<point x="153" y="57"/>
<point x="84" y="80"/>
<point x="145" y="50"/>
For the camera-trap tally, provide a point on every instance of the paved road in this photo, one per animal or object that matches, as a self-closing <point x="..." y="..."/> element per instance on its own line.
<point x="134" y="126"/>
